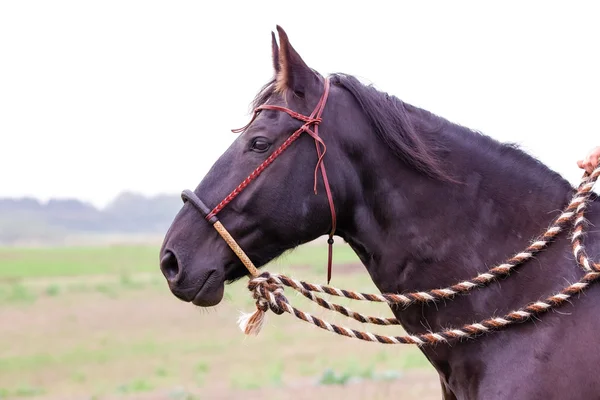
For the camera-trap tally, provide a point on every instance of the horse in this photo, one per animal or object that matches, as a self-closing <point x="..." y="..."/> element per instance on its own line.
<point x="422" y="201"/>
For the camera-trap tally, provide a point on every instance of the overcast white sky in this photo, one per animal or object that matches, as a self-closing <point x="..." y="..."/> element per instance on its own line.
<point x="100" y="97"/>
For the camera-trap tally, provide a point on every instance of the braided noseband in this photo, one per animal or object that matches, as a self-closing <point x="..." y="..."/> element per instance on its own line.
<point x="313" y="120"/>
<point x="267" y="289"/>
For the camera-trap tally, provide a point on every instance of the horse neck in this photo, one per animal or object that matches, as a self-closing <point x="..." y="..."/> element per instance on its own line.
<point x="418" y="233"/>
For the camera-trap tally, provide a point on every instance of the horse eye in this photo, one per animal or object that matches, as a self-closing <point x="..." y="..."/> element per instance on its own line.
<point x="260" y="145"/>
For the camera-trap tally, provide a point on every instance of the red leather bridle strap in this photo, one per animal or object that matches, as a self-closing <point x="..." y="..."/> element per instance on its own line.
<point x="313" y="120"/>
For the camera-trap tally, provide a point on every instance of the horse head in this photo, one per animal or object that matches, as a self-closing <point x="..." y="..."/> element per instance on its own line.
<point x="267" y="213"/>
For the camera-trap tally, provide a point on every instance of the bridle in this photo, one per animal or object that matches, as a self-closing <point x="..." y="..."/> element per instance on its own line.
<point x="268" y="288"/>
<point x="313" y="120"/>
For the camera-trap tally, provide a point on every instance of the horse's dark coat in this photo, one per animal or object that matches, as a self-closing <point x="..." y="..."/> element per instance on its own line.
<point x="424" y="203"/>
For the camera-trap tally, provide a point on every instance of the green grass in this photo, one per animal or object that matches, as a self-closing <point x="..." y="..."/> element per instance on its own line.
<point x="21" y="263"/>
<point x="53" y="290"/>
<point x="21" y="392"/>
<point x="20" y="268"/>
<point x="81" y="355"/>
<point x="137" y="386"/>
<point x="76" y="261"/>
<point x="17" y="293"/>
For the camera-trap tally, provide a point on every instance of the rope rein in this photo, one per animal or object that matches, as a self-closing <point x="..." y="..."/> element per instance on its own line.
<point x="267" y="289"/>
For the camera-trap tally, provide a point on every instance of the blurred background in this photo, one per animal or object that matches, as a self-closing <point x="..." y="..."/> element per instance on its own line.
<point x="109" y="109"/>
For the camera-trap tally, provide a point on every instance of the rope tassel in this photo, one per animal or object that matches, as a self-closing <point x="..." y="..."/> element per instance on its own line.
<point x="252" y="323"/>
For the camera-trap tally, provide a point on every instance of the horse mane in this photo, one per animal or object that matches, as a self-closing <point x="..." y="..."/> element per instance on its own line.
<point x="393" y="125"/>
<point x="415" y="135"/>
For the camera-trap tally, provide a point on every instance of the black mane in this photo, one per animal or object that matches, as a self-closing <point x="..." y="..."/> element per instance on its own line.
<point x="418" y="136"/>
<point x="390" y="119"/>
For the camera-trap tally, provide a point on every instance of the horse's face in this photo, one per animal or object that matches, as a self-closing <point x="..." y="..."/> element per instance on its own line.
<point x="277" y="211"/>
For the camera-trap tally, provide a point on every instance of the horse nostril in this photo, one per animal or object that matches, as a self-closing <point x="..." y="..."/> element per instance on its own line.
<point x="169" y="266"/>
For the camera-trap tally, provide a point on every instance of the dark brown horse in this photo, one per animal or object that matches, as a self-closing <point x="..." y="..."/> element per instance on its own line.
<point x="424" y="203"/>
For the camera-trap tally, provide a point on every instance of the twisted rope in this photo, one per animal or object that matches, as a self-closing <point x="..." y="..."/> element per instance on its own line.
<point x="268" y="289"/>
<point x="277" y="302"/>
<point x="575" y="208"/>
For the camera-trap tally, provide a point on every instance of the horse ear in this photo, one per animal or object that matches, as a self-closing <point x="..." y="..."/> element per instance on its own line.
<point x="275" y="53"/>
<point x="292" y="72"/>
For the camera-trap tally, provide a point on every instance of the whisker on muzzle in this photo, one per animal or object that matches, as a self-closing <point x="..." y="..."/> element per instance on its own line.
<point x="209" y="310"/>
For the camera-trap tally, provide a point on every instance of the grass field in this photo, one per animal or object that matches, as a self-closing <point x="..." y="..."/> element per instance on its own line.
<point x="100" y="323"/>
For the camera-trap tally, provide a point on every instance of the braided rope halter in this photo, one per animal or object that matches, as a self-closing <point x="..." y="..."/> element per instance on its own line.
<point x="267" y="289"/>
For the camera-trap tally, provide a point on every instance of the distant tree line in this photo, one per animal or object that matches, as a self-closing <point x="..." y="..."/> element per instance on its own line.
<point x="25" y="219"/>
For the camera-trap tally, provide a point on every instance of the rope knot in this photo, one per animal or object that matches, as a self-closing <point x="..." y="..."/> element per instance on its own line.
<point x="268" y="294"/>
